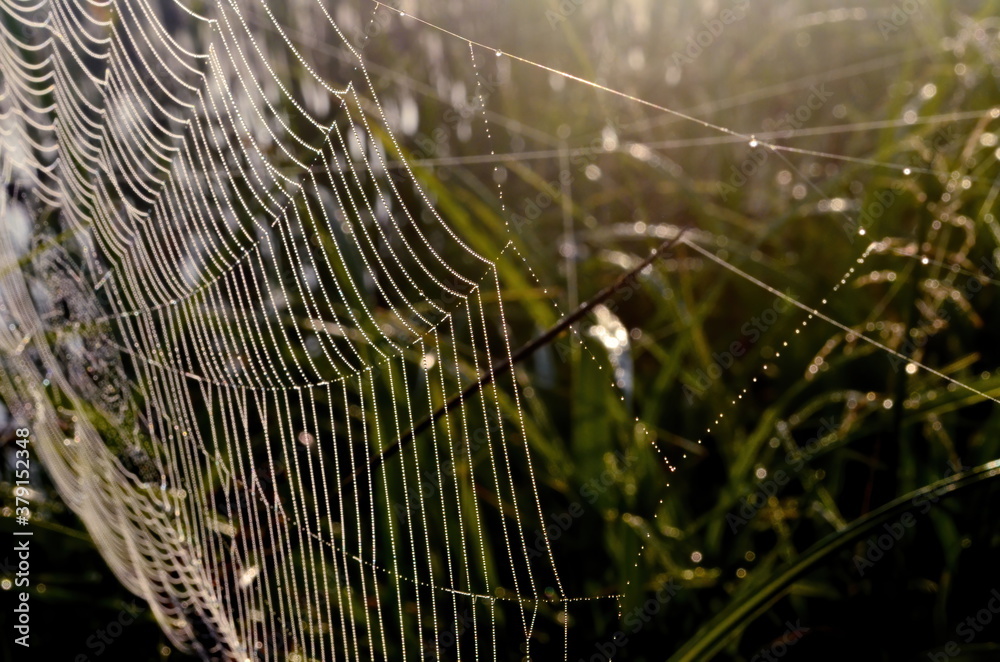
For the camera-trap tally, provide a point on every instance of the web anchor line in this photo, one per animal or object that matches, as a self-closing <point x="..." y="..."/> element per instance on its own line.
<point x="843" y="327"/>
<point x="524" y="352"/>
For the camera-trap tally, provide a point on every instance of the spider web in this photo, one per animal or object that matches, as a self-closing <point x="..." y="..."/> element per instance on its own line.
<point x="231" y="317"/>
<point x="218" y="312"/>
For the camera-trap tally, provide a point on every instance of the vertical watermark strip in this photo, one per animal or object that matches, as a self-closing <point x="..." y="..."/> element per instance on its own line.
<point x="22" y="539"/>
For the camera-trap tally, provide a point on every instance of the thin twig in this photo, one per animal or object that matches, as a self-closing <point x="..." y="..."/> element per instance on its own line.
<point x="524" y="352"/>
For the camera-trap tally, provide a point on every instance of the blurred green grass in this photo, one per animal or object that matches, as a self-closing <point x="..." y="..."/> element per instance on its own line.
<point x="638" y="532"/>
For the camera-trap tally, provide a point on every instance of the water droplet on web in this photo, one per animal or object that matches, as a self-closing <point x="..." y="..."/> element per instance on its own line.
<point x="499" y="53"/>
<point x="753" y="142"/>
<point x="907" y="171"/>
<point x="402" y="13"/>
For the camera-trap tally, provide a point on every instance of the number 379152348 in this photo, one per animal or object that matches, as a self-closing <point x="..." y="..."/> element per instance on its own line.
<point x="22" y="464"/>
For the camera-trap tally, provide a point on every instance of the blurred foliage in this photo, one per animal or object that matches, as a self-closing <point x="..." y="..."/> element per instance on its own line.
<point x="808" y="448"/>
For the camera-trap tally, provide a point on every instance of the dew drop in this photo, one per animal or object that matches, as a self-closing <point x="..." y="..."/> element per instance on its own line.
<point x="907" y="171"/>
<point x="499" y="53"/>
<point x="753" y="142"/>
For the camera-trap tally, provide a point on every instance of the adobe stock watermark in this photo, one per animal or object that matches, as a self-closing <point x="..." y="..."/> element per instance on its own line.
<point x="701" y="380"/>
<point x="899" y="16"/>
<point x="973" y="286"/>
<point x="874" y="210"/>
<point x="434" y="480"/>
<point x="449" y="637"/>
<point x="796" y="119"/>
<point x="968" y="629"/>
<point x="714" y="27"/>
<point x="437" y="143"/>
<point x="770" y="485"/>
<point x="100" y="641"/>
<point x="590" y="491"/>
<point x="633" y="621"/>
<point x="532" y="207"/>
<point x="879" y="544"/>
<point x="623" y="291"/>
<point x="378" y="24"/>
<point x="563" y="11"/>
<point x="759" y="154"/>
<point x="793" y="634"/>
<point x="561" y="523"/>
<point x="885" y="199"/>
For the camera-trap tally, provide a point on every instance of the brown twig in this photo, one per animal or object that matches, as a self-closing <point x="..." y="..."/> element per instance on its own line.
<point x="524" y="352"/>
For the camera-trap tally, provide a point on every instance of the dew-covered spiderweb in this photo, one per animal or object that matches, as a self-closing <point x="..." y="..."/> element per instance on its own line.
<point x="232" y="281"/>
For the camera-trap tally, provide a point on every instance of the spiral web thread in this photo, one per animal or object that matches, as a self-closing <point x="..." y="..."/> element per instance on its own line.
<point x="213" y="319"/>
<point x="215" y="310"/>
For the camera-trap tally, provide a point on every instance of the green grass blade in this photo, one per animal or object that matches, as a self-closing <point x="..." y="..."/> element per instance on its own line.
<point x="720" y="630"/>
